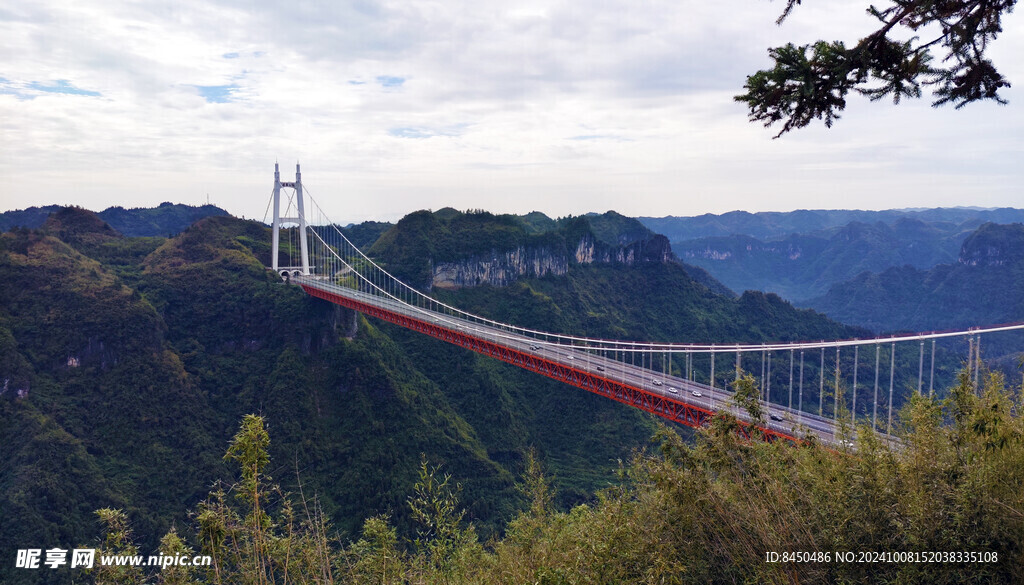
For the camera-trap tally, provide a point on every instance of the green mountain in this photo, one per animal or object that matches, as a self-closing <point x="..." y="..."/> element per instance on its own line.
<point x="801" y="266"/>
<point x="770" y="225"/>
<point x="31" y="217"/>
<point x="127" y="363"/>
<point x="166" y="220"/>
<point x="91" y="399"/>
<point x="983" y="286"/>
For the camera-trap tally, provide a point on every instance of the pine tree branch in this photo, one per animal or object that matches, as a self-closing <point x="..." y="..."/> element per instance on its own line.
<point x="801" y="87"/>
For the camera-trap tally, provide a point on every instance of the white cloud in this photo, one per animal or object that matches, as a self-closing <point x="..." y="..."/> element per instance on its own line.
<point x="563" y="107"/>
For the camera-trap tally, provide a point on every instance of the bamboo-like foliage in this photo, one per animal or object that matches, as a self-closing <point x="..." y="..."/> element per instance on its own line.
<point x="265" y="541"/>
<point x="701" y="512"/>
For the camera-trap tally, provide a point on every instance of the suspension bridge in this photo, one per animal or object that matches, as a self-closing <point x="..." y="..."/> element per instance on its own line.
<point x="639" y="374"/>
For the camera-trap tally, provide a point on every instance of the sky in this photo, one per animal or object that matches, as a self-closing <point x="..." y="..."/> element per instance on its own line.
<point x="512" y="107"/>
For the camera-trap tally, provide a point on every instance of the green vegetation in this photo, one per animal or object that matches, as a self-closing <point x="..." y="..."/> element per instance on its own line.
<point x="126" y="360"/>
<point x="801" y="88"/>
<point x="981" y="287"/>
<point x="704" y="512"/>
<point x="126" y="364"/>
<point x="803" y="266"/>
<point x="166" y="220"/>
<point x="772" y="225"/>
<point x="118" y="382"/>
<point x="616" y="229"/>
<point x="31" y="217"/>
<point x="422" y="239"/>
<point x="363" y="235"/>
<point x="800" y="255"/>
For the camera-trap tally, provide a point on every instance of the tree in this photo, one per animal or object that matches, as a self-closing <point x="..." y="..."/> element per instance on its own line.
<point x="118" y="542"/>
<point x="747" y="396"/>
<point x="445" y="545"/>
<point x="802" y="87"/>
<point x="376" y="558"/>
<point x="171" y="545"/>
<point x="262" y="540"/>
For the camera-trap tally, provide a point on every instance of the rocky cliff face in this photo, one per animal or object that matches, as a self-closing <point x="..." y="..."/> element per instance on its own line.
<point x="994" y="245"/>
<point x="656" y="250"/>
<point x="725" y="250"/>
<point x="501" y="268"/>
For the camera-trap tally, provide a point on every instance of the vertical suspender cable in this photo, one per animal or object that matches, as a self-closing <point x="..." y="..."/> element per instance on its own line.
<point x="977" y="363"/>
<point x="920" y="371"/>
<point x="821" y="385"/>
<point x="874" y="410"/>
<point x="711" y="395"/>
<point x="761" y="390"/>
<point x="791" y="355"/>
<point x="931" y="376"/>
<point x="800" y="400"/>
<point x="892" y="377"/>
<point x="712" y="368"/>
<point x="853" y="410"/>
<point x="835" y="400"/>
<point x="970" y="356"/>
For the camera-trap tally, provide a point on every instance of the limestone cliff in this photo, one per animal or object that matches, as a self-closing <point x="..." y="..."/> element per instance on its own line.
<point x="500" y="268"/>
<point x="994" y="245"/>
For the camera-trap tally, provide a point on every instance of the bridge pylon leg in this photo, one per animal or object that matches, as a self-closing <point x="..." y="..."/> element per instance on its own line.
<point x="280" y="221"/>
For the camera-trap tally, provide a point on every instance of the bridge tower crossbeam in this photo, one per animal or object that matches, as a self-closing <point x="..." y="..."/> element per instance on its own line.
<point x="280" y="221"/>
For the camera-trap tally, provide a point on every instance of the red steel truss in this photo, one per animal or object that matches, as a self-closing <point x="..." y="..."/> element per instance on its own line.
<point x="662" y="406"/>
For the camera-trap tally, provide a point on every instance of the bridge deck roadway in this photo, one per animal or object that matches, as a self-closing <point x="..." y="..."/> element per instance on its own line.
<point x="671" y="397"/>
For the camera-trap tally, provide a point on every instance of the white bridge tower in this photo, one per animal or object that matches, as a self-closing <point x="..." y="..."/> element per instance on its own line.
<point x="279" y="221"/>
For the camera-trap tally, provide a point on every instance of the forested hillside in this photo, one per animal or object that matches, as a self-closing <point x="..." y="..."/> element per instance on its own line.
<point x="167" y="219"/>
<point x="984" y="285"/>
<point x="769" y="225"/>
<point x="128" y="363"/>
<point x="941" y="507"/>
<point x="801" y="254"/>
<point x="801" y="266"/>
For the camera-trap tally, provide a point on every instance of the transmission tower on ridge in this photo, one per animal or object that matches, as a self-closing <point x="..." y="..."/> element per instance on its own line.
<point x="279" y="221"/>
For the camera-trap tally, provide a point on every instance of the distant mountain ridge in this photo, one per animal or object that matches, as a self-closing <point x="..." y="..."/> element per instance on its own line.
<point x="126" y="363"/>
<point x="451" y="249"/>
<point x="984" y="285"/>
<point x="167" y="219"/>
<point x="801" y="266"/>
<point x="777" y="224"/>
<point x="801" y="254"/>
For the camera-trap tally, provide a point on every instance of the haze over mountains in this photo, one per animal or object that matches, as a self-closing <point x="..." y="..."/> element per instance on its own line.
<point x="127" y="363"/>
<point x="802" y="254"/>
<point x="165" y="220"/>
<point x="983" y="285"/>
<point x="775" y="224"/>
<point x="856" y="266"/>
<point x="888" y="271"/>
<point x="100" y="332"/>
